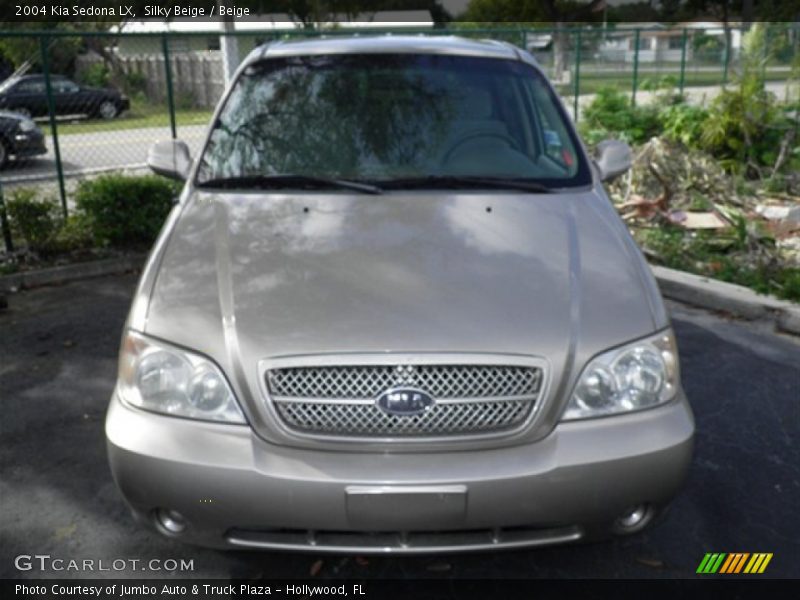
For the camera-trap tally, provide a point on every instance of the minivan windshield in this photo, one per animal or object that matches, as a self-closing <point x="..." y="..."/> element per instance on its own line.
<point x="415" y="120"/>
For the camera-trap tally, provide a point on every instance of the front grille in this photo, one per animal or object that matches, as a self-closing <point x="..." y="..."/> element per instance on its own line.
<point x="405" y="542"/>
<point x="340" y="400"/>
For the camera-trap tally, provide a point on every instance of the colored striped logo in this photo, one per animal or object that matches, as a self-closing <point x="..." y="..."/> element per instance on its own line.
<point x="735" y="562"/>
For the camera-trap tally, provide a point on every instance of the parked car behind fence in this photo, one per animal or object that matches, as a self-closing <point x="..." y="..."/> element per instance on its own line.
<point x="20" y="137"/>
<point x="28" y="95"/>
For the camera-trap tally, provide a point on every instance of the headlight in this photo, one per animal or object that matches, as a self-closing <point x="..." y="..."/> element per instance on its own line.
<point x="157" y="377"/>
<point x="639" y="375"/>
<point x="26" y="125"/>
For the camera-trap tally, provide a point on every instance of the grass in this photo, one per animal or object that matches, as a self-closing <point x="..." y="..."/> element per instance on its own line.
<point x="591" y="82"/>
<point x="721" y="257"/>
<point x="140" y="115"/>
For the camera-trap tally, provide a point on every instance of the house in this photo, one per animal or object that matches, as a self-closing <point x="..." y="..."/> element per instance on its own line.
<point x="662" y="43"/>
<point x="657" y="43"/>
<point x="200" y="35"/>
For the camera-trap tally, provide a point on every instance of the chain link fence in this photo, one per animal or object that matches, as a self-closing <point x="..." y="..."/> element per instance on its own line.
<point x="98" y="101"/>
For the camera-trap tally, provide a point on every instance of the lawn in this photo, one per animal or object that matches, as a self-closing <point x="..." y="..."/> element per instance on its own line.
<point x="140" y="115"/>
<point x="592" y="81"/>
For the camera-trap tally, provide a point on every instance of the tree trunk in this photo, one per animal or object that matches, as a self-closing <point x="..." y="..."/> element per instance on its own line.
<point x="229" y="44"/>
<point x="726" y="27"/>
<point x="559" y="52"/>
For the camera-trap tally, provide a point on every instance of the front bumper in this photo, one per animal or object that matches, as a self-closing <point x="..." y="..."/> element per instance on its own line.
<point x="26" y="144"/>
<point x="237" y="491"/>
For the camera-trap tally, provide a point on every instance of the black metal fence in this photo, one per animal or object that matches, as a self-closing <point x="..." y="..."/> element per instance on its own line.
<point x="100" y="100"/>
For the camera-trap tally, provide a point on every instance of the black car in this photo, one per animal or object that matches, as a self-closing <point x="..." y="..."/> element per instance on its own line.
<point x="28" y="95"/>
<point x="19" y="137"/>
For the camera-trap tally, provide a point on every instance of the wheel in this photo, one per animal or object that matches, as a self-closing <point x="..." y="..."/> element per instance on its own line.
<point x="3" y="154"/>
<point x="107" y="110"/>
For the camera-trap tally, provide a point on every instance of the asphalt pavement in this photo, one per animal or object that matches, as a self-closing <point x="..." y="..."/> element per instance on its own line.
<point x="103" y="150"/>
<point x="58" y="350"/>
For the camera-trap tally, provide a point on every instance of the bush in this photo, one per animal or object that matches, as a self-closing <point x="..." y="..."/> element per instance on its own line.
<point x="747" y="125"/>
<point x="723" y="257"/>
<point x="34" y="220"/>
<point x="185" y="101"/>
<point x="610" y="114"/>
<point x="135" y="82"/>
<point x="97" y="75"/>
<point x="74" y="234"/>
<point x="126" y="211"/>
<point x="683" y="123"/>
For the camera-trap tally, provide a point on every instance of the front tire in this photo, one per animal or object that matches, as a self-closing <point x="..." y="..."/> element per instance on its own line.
<point x="107" y="110"/>
<point x="3" y="154"/>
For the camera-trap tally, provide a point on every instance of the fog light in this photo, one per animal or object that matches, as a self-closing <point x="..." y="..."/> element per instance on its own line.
<point x="171" y="520"/>
<point x="634" y="519"/>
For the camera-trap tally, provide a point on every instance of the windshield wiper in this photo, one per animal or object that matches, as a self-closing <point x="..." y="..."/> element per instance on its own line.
<point x="466" y="181"/>
<point x="267" y="182"/>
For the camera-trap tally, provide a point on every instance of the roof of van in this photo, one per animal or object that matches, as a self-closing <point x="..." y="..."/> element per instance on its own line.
<point x="387" y="44"/>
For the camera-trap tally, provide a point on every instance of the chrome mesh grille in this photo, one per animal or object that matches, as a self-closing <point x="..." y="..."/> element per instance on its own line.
<point x="340" y="400"/>
<point x="368" y="381"/>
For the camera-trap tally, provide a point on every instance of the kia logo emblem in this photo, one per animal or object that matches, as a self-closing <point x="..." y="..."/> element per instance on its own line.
<point x="404" y="402"/>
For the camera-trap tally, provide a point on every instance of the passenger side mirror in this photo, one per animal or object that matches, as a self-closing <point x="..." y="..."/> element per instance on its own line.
<point x="170" y="158"/>
<point x="613" y="158"/>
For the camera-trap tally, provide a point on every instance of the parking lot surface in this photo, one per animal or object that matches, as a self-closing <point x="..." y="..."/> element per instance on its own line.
<point x="58" y="351"/>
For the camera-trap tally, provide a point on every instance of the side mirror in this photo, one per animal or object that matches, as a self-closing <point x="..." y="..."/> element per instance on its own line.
<point x="613" y="159"/>
<point x="170" y="158"/>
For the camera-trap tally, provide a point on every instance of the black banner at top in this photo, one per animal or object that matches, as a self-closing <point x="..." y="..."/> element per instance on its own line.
<point x="426" y="12"/>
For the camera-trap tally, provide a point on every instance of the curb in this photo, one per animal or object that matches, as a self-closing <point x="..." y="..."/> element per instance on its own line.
<point x="66" y="273"/>
<point x="684" y="287"/>
<point x="737" y="300"/>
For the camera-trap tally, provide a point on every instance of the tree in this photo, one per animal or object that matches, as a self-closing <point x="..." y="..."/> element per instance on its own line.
<point x="536" y="11"/>
<point x="311" y="13"/>
<point x="25" y="52"/>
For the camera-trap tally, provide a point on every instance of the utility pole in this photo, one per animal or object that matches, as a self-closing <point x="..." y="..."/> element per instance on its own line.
<point x="229" y="44"/>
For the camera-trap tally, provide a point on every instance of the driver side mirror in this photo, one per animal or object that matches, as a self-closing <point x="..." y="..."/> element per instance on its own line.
<point x="170" y="158"/>
<point x="613" y="158"/>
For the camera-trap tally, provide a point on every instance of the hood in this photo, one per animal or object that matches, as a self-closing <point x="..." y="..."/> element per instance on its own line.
<point x="246" y="277"/>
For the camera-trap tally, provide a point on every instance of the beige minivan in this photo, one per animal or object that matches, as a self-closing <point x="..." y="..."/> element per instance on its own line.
<point x="394" y="311"/>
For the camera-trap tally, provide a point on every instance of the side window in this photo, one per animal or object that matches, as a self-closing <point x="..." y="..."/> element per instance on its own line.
<point x="64" y="86"/>
<point x="29" y="87"/>
<point x="555" y="140"/>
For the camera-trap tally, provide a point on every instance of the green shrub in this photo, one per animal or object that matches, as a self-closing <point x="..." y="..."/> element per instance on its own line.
<point x="74" y="234"/>
<point x="135" y="82"/>
<point x="683" y="123"/>
<point x="97" y="75"/>
<point x="746" y="124"/>
<point x="185" y="101"/>
<point x="611" y="113"/>
<point x="724" y="257"/>
<point x="126" y="211"/>
<point x="34" y="220"/>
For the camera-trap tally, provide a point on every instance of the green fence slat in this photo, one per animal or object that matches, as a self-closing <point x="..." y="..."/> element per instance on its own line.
<point x="51" y="109"/>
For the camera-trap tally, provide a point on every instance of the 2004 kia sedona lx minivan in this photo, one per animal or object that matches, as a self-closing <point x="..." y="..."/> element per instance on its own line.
<point x="395" y="311"/>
